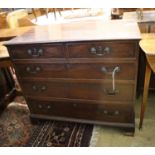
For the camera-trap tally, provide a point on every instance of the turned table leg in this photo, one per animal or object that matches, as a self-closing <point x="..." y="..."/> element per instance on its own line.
<point x="145" y="94"/>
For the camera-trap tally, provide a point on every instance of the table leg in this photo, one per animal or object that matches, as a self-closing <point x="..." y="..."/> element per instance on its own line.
<point x="145" y="94"/>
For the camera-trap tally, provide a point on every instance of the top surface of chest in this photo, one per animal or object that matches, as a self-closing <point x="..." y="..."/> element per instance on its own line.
<point x="79" y="31"/>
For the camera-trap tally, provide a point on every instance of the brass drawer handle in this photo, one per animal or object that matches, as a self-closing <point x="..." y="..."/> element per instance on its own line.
<point x="43" y="88"/>
<point x="100" y="51"/>
<point x="40" y="106"/>
<point x="116" y="112"/>
<point x="105" y="112"/>
<point x="113" y="73"/>
<point x="39" y="88"/>
<point x="34" y="52"/>
<point x="33" y="70"/>
<point x="48" y="107"/>
<point x="35" y="88"/>
<point x="108" y="71"/>
<point x="111" y="92"/>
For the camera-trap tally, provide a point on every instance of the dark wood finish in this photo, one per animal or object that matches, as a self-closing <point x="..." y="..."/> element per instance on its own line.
<point x="96" y="70"/>
<point x="33" y="69"/>
<point x="80" y="49"/>
<point x="75" y="110"/>
<point x="96" y="90"/>
<point x="39" y="51"/>
<point x="118" y="49"/>
<point x="99" y="91"/>
<point x="45" y="88"/>
<point x="76" y="70"/>
<point x="72" y="86"/>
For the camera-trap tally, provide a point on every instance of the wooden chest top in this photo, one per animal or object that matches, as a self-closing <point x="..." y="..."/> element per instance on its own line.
<point x="80" y="31"/>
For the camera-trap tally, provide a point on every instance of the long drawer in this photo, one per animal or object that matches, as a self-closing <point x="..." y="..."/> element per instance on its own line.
<point x="126" y="70"/>
<point x="105" y="49"/>
<point x="37" y="51"/>
<point x="79" y="90"/>
<point x="75" y="110"/>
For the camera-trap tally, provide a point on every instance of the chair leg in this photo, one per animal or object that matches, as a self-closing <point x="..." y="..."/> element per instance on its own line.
<point x="35" y="16"/>
<point x="54" y="11"/>
<point x="145" y="94"/>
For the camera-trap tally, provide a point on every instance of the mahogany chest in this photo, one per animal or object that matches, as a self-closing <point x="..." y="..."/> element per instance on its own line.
<point x="89" y="77"/>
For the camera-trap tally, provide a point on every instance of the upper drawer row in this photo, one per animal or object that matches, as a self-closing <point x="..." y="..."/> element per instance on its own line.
<point x="113" y="49"/>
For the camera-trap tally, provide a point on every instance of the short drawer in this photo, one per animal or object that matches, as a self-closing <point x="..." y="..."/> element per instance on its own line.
<point x="114" y="49"/>
<point x="43" y="88"/>
<point x="102" y="70"/>
<point x="37" y="51"/>
<point x="101" y="91"/>
<point x="33" y="69"/>
<point x="75" y="110"/>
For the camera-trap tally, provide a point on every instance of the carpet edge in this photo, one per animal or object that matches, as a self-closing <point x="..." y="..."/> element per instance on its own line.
<point x="95" y="136"/>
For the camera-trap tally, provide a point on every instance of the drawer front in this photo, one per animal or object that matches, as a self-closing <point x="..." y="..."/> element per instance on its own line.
<point x="44" y="89"/>
<point x="101" y="91"/>
<point x="102" y="50"/>
<point x="97" y="91"/>
<point x="102" y="70"/>
<point x="49" y="70"/>
<point x="37" y="51"/>
<point x="77" y="70"/>
<point x="75" y="110"/>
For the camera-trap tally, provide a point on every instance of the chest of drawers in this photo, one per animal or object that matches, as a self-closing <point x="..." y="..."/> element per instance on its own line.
<point x="92" y="81"/>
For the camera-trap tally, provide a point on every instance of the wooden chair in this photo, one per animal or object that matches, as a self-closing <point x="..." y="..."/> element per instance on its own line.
<point x="6" y="64"/>
<point x="14" y="16"/>
<point x="3" y="23"/>
<point x="45" y="11"/>
<point x="148" y="46"/>
<point x="4" y="57"/>
<point x="8" y="88"/>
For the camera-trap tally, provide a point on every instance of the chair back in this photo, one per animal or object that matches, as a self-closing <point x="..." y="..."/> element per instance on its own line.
<point x="14" y="16"/>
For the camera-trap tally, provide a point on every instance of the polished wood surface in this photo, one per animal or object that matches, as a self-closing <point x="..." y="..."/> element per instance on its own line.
<point x="93" y="112"/>
<point x="30" y="51"/>
<point x="11" y="33"/>
<point x="80" y="31"/>
<point x="115" y="50"/>
<point x="76" y="70"/>
<point x="147" y="45"/>
<point x="73" y="79"/>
